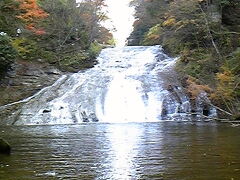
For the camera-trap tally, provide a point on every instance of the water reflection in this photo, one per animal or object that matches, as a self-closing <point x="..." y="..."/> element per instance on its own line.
<point x="124" y="150"/>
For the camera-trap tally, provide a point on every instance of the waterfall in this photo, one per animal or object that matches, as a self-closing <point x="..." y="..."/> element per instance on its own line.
<point x="128" y="84"/>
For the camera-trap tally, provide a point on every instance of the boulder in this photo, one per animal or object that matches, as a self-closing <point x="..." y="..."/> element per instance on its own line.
<point x="4" y="147"/>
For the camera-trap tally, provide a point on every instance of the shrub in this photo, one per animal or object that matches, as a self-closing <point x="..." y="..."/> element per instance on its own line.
<point x="74" y="62"/>
<point x="7" y="52"/>
<point x="153" y="35"/>
<point x="26" y="48"/>
<point x="199" y="64"/>
<point x="94" y="50"/>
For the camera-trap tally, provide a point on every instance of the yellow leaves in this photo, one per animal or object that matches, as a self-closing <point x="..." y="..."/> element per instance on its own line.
<point x="225" y="83"/>
<point x="153" y="34"/>
<point x="181" y="24"/>
<point x="18" y="44"/>
<point x="225" y="77"/>
<point x="169" y="22"/>
<point x="194" y="88"/>
<point x="225" y="87"/>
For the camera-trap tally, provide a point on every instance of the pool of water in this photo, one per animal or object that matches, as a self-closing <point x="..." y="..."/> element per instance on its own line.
<point x="159" y="150"/>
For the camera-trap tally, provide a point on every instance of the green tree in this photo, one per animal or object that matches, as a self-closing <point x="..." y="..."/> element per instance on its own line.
<point x="7" y="53"/>
<point x="8" y="20"/>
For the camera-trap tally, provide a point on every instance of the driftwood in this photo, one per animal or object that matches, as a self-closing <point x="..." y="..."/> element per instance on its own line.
<point x="210" y="118"/>
<point x="233" y="123"/>
<point x="218" y="108"/>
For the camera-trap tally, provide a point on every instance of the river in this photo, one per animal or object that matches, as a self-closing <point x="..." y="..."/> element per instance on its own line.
<point x="121" y="151"/>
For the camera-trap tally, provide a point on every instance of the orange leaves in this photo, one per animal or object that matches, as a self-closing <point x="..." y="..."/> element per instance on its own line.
<point x="30" y="11"/>
<point x="40" y="31"/>
<point x="194" y="88"/>
<point x="226" y="86"/>
<point x="30" y="27"/>
<point x="37" y="31"/>
<point x="225" y="77"/>
<point x="30" y="14"/>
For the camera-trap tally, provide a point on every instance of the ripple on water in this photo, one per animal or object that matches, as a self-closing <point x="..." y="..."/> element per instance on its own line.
<point x="167" y="150"/>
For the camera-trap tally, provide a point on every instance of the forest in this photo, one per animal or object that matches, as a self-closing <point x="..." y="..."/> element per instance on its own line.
<point x="64" y="33"/>
<point x="205" y="35"/>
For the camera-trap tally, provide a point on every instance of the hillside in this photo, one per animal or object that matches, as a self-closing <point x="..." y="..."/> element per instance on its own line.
<point x="206" y="36"/>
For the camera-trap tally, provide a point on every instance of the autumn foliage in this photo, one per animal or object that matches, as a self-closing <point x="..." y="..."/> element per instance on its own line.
<point x="194" y="88"/>
<point x="226" y="86"/>
<point x="30" y="14"/>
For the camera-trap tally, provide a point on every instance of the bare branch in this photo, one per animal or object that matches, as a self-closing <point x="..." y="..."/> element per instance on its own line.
<point x="210" y="34"/>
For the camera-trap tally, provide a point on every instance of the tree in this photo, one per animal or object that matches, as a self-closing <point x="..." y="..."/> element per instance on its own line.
<point x="30" y="14"/>
<point x="148" y="13"/>
<point x="70" y="22"/>
<point x="8" y="20"/>
<point x="72" y="30"/>
<point x="7" y="53"/>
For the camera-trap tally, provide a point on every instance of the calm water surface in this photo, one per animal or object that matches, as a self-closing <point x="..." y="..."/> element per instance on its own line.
<point x="167" y="150"/>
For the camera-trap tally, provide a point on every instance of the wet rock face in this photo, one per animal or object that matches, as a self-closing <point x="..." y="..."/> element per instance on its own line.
<point x="176" y="102"/>
<point x="25" y="79"/>
<point x="4" y="147"/>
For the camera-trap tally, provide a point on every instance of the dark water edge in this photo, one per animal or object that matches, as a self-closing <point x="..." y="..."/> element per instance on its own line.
<point x="161" y="150"/>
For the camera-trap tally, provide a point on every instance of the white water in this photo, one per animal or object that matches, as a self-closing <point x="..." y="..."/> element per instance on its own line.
<point x="130" y="84"/>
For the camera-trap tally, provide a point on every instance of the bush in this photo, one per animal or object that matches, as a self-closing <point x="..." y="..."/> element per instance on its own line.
<point x="26" y="48"/>
<point x="199" y="64"/>
<point x="7" y="52"/>
<point x="94" y="50"/>
<point x="75" y="62"/>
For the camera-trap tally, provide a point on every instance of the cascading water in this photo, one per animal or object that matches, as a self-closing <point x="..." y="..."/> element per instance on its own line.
<point x="128" y="84"/>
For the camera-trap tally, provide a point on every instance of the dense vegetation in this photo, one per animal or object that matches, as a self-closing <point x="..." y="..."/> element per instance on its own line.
<point x="7" y="52"/>
<point x="60" y="32"/>
<point x="206" y="35"/>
